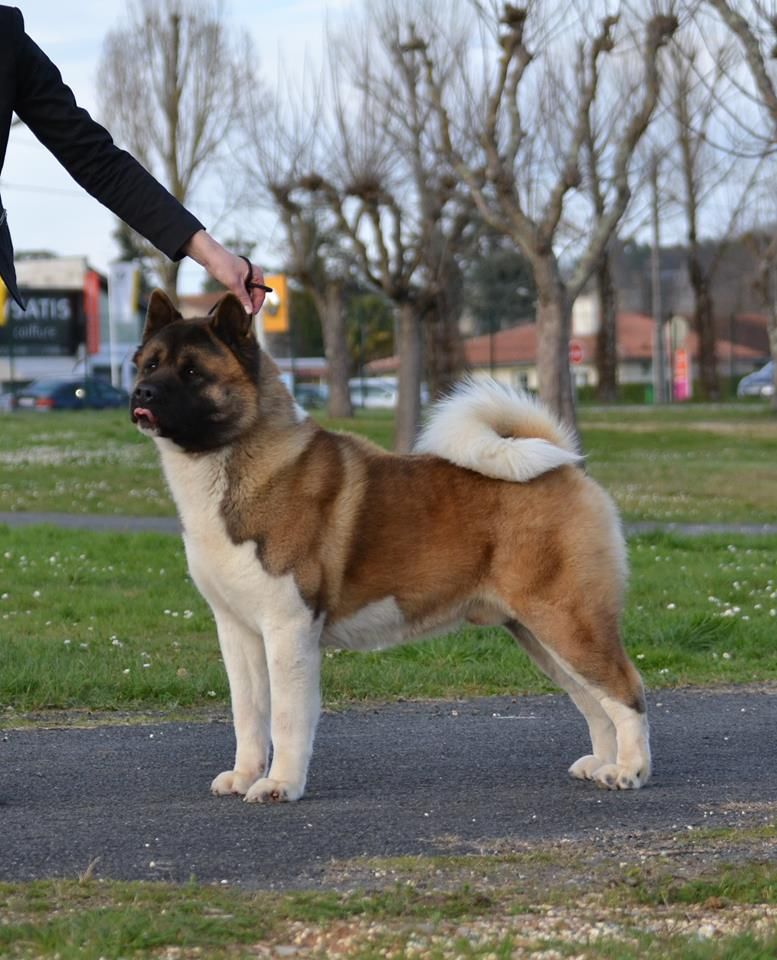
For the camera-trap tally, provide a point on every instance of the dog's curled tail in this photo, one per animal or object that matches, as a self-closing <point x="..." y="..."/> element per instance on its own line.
<point x="486" y="427"/>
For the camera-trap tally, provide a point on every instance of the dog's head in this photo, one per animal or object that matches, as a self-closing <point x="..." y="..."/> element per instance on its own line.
<point x="197" y="380"/>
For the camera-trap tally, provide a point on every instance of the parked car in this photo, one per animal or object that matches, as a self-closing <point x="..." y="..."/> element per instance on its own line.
<point x="378" y="393"/>
<point x="759" y="383"/>
<point x="311" y="396"/>
<point x="70" y="394"/>
<point x="373" y="393"/>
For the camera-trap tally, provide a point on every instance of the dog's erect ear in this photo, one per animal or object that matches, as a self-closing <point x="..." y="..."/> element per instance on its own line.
<point x="230" y="322"/>
<point x="160" y="312"/>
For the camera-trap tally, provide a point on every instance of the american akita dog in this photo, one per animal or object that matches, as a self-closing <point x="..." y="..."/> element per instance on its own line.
<point x="298" y="537"/>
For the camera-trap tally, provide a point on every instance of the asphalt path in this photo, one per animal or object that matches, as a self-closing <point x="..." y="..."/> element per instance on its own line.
<point x="129" y="524"/>
<point x="408" y="778"/>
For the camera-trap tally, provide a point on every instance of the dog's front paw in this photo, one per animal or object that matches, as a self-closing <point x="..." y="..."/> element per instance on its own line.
<point x="232" y="782"/>
<point x="614" y="776"/>
<point x="586" y="767"/>
<point x="273" y="791"/>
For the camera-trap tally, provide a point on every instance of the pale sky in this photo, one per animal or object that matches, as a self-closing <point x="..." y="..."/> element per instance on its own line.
<point x="46" y="208"/>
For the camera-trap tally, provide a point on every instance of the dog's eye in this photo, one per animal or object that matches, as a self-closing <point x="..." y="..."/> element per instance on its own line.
<point x="191" y="371"/>
<point x="150" y="366"/>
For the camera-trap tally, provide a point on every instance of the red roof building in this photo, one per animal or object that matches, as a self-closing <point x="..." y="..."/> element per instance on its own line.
<point x="510" y="355"/>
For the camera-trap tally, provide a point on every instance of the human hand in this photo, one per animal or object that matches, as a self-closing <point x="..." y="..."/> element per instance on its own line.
<point x="229" y="269"/>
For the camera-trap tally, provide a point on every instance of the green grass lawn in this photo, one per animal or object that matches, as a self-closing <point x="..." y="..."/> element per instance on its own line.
<point x="689" y="464"/>
<point x="696" y="463"/>
<point x="112" y="622"/>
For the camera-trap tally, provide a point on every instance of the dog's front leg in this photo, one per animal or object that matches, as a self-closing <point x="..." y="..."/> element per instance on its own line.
<point x="294" y="666"/>
<point x="244" y="658"/>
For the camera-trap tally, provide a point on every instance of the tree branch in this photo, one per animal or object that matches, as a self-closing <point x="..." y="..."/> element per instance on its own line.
<point x="753" y="55"/>
<point x="659" y="30"/>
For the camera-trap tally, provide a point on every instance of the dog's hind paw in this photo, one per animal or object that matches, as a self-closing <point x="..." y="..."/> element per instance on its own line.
<point x="273" y="791"/>
<point x="231" y="783"/>
<point x="612" y="776"/>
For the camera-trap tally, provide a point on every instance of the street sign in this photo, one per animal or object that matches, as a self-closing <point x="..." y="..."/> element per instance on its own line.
<point x="48" y="327"/>
<point x="275" y="312"/>
<point x="575" y="352"/>
<point x="682" y="375"/>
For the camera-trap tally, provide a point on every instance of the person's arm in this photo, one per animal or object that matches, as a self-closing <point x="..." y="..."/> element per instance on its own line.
<point x="113" y="176"/>
<point x="87" y="151"/>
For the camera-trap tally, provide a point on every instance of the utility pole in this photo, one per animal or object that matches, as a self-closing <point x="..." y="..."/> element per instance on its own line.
<point x="659" y="361"/>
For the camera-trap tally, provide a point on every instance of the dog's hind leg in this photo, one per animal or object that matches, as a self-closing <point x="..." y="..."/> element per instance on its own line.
<point x="244" y="658"/>
<point x="600" y="727"/>
<point x="588" y="650"/>
<point x="294" y="666"/>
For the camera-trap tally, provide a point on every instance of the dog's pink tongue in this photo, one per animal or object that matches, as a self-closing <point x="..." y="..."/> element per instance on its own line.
<point x="145" y="414"/>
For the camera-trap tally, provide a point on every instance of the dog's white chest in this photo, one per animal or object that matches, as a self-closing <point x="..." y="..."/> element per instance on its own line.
<point x="228" y="575"/>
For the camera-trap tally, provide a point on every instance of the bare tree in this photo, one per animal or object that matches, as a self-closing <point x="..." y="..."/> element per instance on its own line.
<point x="757" y="38"/>
<point x="606" y="358"/>
<point x="313" y="260"/>
<point x="692" y="105"/>
<point x="502" y="172"/>
<point x="283" y="141"/>
<point x="399" y="211"/>
<point x="171" y="82"/>
<point x="371" y="221"/>
<point x="446" y="217"/>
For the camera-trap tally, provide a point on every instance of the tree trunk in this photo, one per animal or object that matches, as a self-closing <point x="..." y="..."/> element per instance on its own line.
<point x="553" y="326"/>
<point x="705" y="330"/>
<point x="331" y="310"/>
<point x="168" y="274"/>
<point x="408" y="412"/>
<point x="607" y="335"/>
<point x="444" y="350"/>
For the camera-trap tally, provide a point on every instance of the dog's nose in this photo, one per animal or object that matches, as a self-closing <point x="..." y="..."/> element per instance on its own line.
<point x="144" y="393"/>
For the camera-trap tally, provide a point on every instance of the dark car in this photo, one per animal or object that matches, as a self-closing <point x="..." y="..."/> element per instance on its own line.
<point x="68" y="394"/>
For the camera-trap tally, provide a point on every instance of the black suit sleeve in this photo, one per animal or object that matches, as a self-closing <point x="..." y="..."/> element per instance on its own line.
<point x="86" y="150"/>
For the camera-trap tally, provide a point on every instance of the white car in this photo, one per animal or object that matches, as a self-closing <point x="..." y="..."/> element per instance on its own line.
<point x="373" y="393"/>
<point x="378" y="393"/>
<point x="759" y="383"/>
